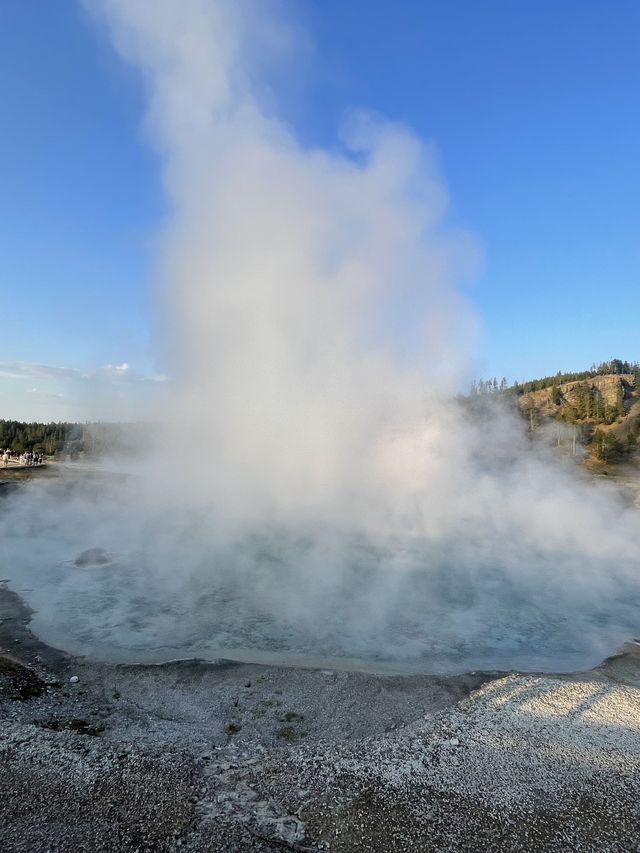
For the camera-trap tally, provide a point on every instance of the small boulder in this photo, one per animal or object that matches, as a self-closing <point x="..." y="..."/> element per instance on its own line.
<point x="93" y="557"/>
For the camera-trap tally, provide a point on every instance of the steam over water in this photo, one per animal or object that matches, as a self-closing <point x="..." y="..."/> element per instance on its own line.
<point x="382" y="602"/>
<point x="312" y="490"/>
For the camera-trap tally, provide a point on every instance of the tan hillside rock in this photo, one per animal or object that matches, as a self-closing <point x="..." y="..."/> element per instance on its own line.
<point x="569" y="392"/>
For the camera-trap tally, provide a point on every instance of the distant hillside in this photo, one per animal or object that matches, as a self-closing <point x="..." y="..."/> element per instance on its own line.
<point x="604" y="411"/>
<point x="593" y="413"/>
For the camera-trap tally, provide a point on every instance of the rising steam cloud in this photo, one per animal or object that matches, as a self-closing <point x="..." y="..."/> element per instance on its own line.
<point x="313" y="490"/>
<point x="298" y="280"/>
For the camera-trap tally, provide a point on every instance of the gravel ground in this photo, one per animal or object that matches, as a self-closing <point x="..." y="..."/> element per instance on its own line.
<point x="235" y="757"/>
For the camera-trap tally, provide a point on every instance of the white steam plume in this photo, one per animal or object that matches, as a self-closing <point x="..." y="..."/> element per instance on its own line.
<point x="297" y="279"/>
<point x="313" y="491"/>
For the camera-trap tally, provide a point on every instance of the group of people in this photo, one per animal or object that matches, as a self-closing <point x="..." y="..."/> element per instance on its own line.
<point x="27" y="458"/>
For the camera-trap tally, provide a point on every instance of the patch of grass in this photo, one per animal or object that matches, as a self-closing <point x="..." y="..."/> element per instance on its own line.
<point x="287" y="733"/>
<point x="73" y="724"/>
<point x="290" y="717"/>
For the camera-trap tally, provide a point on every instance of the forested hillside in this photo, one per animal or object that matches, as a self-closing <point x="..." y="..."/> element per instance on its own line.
<point x="596" y="410"/>
<point x="601" y="413"/>
<point x="613" y="367"/>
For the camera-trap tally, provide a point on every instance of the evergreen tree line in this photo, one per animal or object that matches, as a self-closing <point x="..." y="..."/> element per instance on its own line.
<point x="71" y="439"/>
<point x="49" y="439"/>
<point x="589" y="404"/>
<point x="607" y="447"/>
<point x="615" y="366"/>
<point x="483" y="387"/>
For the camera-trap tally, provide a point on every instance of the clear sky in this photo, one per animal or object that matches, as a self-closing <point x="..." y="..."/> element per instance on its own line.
<point x="534" y="109"/>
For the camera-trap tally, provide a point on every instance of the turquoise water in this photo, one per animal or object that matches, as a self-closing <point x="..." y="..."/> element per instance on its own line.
<point x="326" y="599"/>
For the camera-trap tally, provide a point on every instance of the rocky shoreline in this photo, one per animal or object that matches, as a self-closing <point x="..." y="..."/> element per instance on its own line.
<point x="234" y="757"/>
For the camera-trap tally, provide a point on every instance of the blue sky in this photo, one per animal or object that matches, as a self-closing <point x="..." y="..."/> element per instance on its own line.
<point x="533" y="107"/>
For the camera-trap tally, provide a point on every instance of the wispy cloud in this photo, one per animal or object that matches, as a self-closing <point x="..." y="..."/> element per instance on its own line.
<point x="46" y="394"/>
<point x="107" y="373"/>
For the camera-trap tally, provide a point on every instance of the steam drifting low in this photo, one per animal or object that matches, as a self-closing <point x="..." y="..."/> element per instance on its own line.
<point x="313" y="492"/>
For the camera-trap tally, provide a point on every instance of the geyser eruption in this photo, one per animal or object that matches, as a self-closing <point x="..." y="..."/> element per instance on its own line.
<point x="312" y="490"/>
<point x="297" y="280"/>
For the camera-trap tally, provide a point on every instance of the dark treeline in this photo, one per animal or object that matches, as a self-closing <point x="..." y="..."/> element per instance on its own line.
<point x="608" y="447"/>
<point x="72" y="439"/>
<point x="50" y="439"/>
<point x="614" y="366"/>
